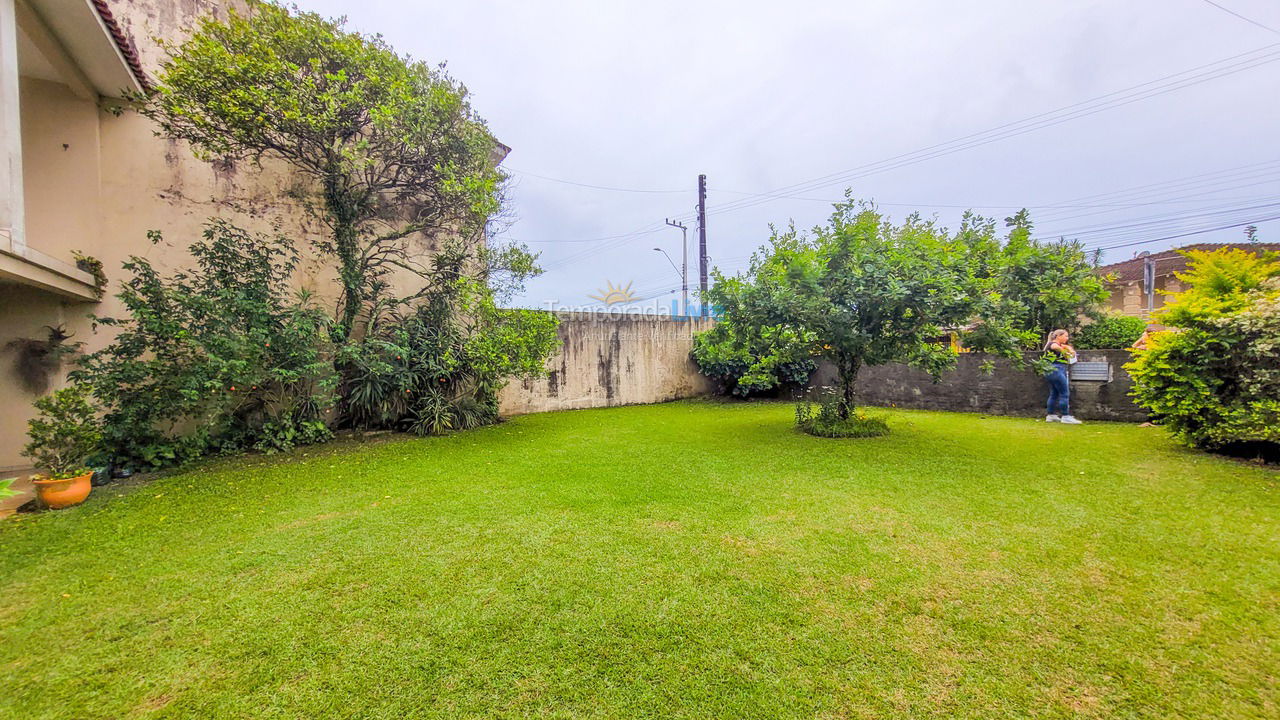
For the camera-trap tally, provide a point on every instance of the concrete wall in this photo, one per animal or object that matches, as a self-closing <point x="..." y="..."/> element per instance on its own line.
<point x="607" y="359"/>
<point x="1007" y="391"/>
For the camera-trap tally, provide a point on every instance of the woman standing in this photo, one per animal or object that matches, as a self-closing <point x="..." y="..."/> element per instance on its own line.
<point x="1062" y="354"/>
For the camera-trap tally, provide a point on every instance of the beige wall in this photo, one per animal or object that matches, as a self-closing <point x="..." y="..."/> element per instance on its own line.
<point x="97" y="182"/>
<point x="606" y="360"/>
<point x="60" y="168"/>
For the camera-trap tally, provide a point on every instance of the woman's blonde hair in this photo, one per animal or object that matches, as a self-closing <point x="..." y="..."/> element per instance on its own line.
<point x="1053" y="337"/>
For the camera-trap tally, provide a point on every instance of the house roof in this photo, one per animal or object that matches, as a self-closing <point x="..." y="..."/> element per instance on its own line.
<point x="1171" y="261"/>
<point x="128" y="51"/>
<point x="83" y="39"/>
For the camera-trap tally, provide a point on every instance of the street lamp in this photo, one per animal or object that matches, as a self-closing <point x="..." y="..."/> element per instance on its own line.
<point x="683" y="270"/>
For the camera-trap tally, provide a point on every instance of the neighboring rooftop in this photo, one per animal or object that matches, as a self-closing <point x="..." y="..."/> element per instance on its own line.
<point x="1172" y="260"/>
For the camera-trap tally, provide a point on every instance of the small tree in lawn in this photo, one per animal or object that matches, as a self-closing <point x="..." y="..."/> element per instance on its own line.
<point x="866" y="292"/>
<point x="392" y="145"/>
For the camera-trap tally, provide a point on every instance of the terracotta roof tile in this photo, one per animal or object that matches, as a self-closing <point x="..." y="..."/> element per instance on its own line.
<point x="127" y="48"/>
<point x="1171" y="261"/>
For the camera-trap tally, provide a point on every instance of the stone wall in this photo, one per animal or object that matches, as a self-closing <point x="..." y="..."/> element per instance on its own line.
<point x="611" y="359"/>
<point x="1007" y="391"/>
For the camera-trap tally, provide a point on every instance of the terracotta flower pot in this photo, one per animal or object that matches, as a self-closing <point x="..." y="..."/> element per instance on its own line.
<point x="58" y="494"/>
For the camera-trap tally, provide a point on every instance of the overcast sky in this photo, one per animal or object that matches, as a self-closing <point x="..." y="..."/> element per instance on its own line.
<point x="645" y="95"/>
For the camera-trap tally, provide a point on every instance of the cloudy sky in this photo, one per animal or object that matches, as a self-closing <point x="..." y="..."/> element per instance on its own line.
<point x="1119" y="123"/>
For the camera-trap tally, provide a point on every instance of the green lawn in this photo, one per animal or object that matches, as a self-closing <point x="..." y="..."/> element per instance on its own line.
<point x="692" y="560"/>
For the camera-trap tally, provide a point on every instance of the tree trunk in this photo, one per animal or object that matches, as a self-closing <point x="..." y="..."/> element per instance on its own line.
<point x="343" y="213"/>
<point x="351" y="276"/>
<point x="848" y="365"/>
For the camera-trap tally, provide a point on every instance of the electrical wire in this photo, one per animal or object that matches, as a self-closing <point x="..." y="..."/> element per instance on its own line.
<point x="1109" y="101"/>
<point x="1196" y="232"/>
<point x="1249" y="20"/>
<point x="591" y="186"/>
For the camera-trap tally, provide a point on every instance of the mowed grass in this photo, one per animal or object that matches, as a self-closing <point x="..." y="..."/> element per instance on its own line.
<point x="689" y="560"/>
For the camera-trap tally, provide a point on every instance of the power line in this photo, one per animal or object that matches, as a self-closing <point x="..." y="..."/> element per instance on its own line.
<point x="1229" y="11"/>
<point x="1109" y="101"/>
<point x="1189" y="234"/>
<point x="589" y="185"/>
<point x="1163" y="220"/>
<point x="1158" y="190"/>
<point x="981" y="206"/>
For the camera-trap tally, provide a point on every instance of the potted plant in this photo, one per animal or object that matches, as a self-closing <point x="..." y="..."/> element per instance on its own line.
<point x="60" y="438"/>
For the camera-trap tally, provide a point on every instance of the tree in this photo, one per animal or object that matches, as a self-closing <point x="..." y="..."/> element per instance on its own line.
<point x="392" y="146"/>
<point x="222" y="355"/>
<point x="1110" y="331"/>
<point x="439" y="365"/>
<point x="860" y="292"/>
<point x="1041" y="285"/>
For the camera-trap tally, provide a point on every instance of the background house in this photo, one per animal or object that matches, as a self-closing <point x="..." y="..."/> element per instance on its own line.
<point x="1129" y="291"/>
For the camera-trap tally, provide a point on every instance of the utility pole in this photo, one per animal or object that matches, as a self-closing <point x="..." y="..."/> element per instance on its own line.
<point x="684" y="264"/>
<point x="1149" y="282"/>
<point x="702" y="244"/>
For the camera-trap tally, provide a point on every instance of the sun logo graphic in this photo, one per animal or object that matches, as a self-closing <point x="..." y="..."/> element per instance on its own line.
<point x="611" y="295"/>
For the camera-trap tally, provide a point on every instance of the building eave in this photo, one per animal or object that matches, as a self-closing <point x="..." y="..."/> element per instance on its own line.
<point x="92" y="38"/>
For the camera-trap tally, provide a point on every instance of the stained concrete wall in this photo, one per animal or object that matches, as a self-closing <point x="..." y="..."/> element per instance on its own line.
<point x="1008" y="390"/>
<point x="611" y="359"/>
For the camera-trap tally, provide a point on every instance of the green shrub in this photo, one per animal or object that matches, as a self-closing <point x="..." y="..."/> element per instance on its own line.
<point x="823" y="420"/>
<point x="1110" y="332"/>
<point x="64" y="434"/>
<point x="220" y="357"/>
<point x="752" y="366"/>
<point x="438" y="365"/>
<point x="1214" y="380"/>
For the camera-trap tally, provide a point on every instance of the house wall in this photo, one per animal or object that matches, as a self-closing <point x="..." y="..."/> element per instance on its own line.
<point x="1131" y="299"/>
<point x="96" y="182"/>
<point x="60" y="167"/>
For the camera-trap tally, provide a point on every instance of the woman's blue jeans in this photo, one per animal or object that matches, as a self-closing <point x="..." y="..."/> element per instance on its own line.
<point x="1059" y="390"/>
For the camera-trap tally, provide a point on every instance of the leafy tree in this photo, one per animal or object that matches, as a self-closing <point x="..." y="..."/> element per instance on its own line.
<point x="756" y="347"/>
<point x="439" y="365"/>
<point x="1219" y="283"/>
<point x="392" y="146"/>
<point x="859" y="291"/>
<point x="1040" y="285"/>
<point x="1214" y="379"/>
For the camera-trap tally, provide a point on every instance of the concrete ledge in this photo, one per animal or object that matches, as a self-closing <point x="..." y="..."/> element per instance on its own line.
<point x="28" y="266"/>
